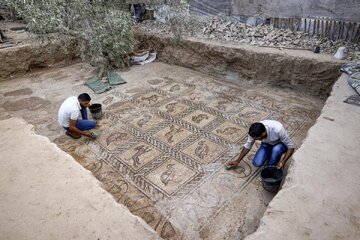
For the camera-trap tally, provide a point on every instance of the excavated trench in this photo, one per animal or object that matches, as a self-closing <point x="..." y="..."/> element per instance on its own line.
<point x="168" y="132"/>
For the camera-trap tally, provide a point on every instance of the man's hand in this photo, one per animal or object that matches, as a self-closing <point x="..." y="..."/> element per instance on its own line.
<point x="281" y="165"/>
<point x="243" y="153"/>
<point x="288" y="154"/>
<point x="234" y="164"/>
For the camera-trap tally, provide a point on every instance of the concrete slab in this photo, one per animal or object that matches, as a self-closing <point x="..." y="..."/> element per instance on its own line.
<point x="45" y="194"/>
<point x="321" y="196"/>
<point x="166" y="136"/>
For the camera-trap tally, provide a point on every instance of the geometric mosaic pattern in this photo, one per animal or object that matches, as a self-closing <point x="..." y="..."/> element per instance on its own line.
<point x="168" y="141"/>
<point x="163" y="147"/>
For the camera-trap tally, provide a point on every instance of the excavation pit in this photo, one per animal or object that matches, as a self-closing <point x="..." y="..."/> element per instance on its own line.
<point x="167" y="135"/>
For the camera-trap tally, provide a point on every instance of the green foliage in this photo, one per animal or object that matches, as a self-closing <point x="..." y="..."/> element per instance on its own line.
<point x="176" y="15"/>
<point x="102" y="29"/>
<point x="180" y="21"/>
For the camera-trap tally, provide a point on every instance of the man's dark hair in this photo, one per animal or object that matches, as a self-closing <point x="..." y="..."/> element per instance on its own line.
<point x="256" y="129"/>
<point x="84" y="97"/>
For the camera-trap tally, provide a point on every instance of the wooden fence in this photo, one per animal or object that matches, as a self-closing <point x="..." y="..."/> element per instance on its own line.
<point x="331" y="29"/>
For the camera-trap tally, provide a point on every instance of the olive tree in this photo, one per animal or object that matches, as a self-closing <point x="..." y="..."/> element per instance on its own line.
<point x="102" y="29"/>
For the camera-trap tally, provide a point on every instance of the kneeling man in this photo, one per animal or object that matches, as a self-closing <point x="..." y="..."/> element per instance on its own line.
<point x="274" y="143"/>
<point x="69" y="113"/>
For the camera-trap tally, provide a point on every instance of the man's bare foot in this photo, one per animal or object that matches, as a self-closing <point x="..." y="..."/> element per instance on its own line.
<point x="73" y="135"/>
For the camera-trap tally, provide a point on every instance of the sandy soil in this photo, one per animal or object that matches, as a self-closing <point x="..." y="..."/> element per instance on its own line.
<point x="42" y="193"/>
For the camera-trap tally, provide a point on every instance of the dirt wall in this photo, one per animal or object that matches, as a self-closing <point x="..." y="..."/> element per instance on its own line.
<point x="23" y="58"/>
<point x="296" y="69"/>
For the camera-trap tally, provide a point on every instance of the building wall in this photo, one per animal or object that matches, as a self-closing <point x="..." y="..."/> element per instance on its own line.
<point x="213" y="7"/>
<point x="346" y="10"/>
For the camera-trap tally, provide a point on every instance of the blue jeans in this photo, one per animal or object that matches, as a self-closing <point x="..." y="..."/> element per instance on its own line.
<point x="271" y="152"/>
<point x="83" y="124"/>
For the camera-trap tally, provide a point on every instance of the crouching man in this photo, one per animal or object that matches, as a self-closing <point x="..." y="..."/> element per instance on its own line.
<point x="274" y="143"/>
<point x="68" y="116"/>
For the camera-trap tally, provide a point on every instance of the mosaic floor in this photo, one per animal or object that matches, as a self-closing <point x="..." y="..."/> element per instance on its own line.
<point x="165" y="139"/>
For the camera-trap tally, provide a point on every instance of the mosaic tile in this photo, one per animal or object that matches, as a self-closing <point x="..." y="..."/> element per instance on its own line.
<point x="199" y="118"/>
<point x="174" y="87"/>
<point x="113" y="138"/>
<point x="146" y="121"/>
<point x="151" y="98"/>
<point x="204" y="151"/>
<point x="196" y="96"/>
<point x="170" y="176"/>
<point x="173" y="108"/>
<point x="139" y="155"/>
<point x="172" y="134"/>
<point x="222" y="104"/>
<point x="252" y="115"/>
<point x="230" y="131"/>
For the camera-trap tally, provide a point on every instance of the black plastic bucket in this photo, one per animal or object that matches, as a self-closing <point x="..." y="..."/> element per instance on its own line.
<point x="271" y="178"/>
<point x="96" y="110"/>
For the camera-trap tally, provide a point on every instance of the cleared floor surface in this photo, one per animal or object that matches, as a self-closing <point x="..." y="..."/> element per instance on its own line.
<point x="165" y="138"/>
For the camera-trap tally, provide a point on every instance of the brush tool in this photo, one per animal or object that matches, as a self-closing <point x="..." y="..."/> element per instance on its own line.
<point x="95" y="135"/>
<point x="228" y="167"/>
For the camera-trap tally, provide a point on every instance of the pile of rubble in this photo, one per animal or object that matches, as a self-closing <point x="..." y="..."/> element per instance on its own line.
<point x="262" y="35"/>
<point x="266" y="35"/>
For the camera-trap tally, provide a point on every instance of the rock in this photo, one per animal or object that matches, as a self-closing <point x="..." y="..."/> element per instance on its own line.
<point x="221" y="29"/>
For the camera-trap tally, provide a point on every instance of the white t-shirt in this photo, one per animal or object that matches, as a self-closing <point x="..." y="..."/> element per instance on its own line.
<point x="275" y="134"/>
<point x="69" y="110"/>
